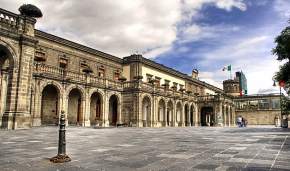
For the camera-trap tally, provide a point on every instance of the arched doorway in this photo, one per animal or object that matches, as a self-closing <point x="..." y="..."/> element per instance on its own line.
<point x="186" y="115"/>
<point x="113" y="109"/>
<point x="146" y="111"/>
<point x="192" y="112"/>
<point x="49" y="105"/>
<point x="96" y="109"/>
<point x="75" y="115"/>
<point x="6" y="72"/>
<point x="169" y="114"/>
<point x="179" y="114"/>
<point x="207" y="117"/>
<point x="161" y="112"/>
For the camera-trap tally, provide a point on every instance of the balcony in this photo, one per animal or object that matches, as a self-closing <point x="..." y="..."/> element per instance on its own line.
<point x="57" y="73"/>
<point x="90" y="80"/>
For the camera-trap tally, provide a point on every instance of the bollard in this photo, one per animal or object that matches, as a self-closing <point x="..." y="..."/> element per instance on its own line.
<point x="61" y="156"/>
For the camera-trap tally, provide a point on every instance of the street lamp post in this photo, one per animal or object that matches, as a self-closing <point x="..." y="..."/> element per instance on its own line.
<point x="61" y="157"/>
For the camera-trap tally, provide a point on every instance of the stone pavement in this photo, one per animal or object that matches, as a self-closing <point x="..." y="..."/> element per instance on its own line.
<point x="148" y="149"/>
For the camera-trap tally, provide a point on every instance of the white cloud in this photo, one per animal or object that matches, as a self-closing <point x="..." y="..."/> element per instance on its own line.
<point x="120" y="27"/>
<point x="282" y="7"/>
<point x="250" y="54"/>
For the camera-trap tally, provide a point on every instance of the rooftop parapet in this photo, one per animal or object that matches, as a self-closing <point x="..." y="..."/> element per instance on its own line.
<point x="16" y="23"/>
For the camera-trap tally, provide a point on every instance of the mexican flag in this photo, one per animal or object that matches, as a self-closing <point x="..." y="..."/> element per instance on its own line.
<point x="227" y="68"/>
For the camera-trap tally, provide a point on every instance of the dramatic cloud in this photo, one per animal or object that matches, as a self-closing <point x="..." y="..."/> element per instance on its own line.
<point x="121" y="27"/>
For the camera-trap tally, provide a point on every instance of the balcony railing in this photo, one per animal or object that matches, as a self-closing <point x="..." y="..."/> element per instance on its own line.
<point x="53" y="72"/>
<point x="41" y="69"/>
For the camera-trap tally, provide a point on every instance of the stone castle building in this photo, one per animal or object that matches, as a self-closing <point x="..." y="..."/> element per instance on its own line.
<point x="42" y="74"/>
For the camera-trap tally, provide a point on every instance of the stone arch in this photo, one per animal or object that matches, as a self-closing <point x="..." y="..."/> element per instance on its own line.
<point x="96" y="102"/>
<point x="170" y="113"/>
<point x="94" y="90"/>
<point x="114" y="109"/>
<point x="78" y="87"/>
<point x="54" y="83"/>
<point x="192" y="111"/>
<point x="207" y="117"/>
<point x="179" y="113"/>
<point x="146" y="111"/>
<point x="161" y="110"/>
<point x="8" y="49"/>
<point x="50" y="105"/>
<point x="7" y="65"/>
<point x="76" y="100"/>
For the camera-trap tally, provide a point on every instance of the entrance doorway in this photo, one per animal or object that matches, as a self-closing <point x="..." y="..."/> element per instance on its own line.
<point x="113" y="108"/>
<point x="207" y="117"/>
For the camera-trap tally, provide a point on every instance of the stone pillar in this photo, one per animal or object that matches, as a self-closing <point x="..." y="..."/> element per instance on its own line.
<point x="165" y="116"/>
<point x="4" y="85"/>
<point x="229" y="116"/>
<point x="36" y="120"/>
<point x="219" y="117"/>
<point x="234" y="115"/>
<point x="225" y="115"/>
<point x="140" y="110"/>
<point x="120" y="115"/>
<point x="17" y="112"/>
<point x="174" y="122"/>
<point x="87" y="110"/>
<point x="197" y="114"/>
<point x="183" y="113"/>
<point x="106" y="110"/>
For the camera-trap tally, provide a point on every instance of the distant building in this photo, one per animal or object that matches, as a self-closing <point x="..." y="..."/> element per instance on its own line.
<point x="259" y="109"/>
<point x="240" y="76"/>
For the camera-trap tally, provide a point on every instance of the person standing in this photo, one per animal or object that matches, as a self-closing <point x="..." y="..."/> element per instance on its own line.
<point x="239" y="121"/>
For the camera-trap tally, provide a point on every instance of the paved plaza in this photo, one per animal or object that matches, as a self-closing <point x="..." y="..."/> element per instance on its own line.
<point x="148" y="149"/>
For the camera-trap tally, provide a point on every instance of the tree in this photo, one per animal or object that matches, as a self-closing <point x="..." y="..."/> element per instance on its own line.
<point x="282" y="51"/>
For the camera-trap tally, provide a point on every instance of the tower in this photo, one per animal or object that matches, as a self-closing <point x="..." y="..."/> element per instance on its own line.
<point x="231" y="87"/>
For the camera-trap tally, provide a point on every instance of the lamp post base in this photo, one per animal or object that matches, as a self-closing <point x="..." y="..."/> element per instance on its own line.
<point x="60" y="158"/>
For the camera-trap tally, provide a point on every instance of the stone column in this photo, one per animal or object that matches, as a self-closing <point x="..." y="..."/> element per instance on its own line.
<point x="229" y="115"/>
<point x="140" y="110"/>
<point x="37" y="105"/>
<point x="106" y="110"/>
<point x="87" y="110"/>
<point x="218" y="114"/>
<point x="165" y="116"/>
<point x="197" y="114"/>
<point x="234" y="115"/>
<point x="120" y="115"/>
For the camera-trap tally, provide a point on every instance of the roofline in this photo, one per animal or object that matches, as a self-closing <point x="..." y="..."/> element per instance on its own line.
<point x="65" y="42"/>
<point x="140" y="58"/>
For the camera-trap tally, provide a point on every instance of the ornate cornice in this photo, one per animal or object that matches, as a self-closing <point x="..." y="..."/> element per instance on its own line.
<point x="148" y="62"/>
<point x="65" y="42"/>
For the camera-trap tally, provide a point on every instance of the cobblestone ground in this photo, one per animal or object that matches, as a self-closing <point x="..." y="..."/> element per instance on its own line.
<point x="148" y="149"/>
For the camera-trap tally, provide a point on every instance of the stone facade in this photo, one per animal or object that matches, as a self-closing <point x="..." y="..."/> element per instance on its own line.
<point x="42" y="74"/>
<point x="259" y="109"/>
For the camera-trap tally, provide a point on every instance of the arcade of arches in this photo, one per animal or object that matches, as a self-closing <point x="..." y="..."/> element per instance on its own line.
<point x="104" y="109"/>
<point x="42" y="75"/>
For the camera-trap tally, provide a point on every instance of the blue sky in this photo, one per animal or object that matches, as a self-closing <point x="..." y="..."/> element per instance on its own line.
<point x="182" y="34"/>
<point x="243" y="39"/>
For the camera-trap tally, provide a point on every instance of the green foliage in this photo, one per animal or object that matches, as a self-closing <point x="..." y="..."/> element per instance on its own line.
<point x="284" y="73"/>
<point x="30" y="11"/>
<point x="285" y="105"/>
<point x="282" y="51"/>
